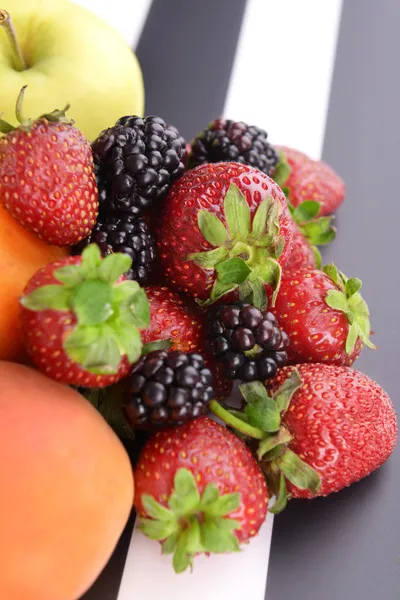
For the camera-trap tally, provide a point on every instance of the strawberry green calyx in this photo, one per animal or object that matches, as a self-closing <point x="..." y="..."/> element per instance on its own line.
<point x="318" y="231"/>
<point x="192" y="523"/>
<point x="56" y="116"/>
<point x="282" y="170"/>
<point x="261" y="420"/>
<point x="245" y="253"/>
<point x="108" y="313"/>
<point x="348" y="300"/>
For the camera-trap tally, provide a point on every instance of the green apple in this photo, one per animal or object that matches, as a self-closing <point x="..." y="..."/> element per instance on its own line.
<point x="67" y="55"/>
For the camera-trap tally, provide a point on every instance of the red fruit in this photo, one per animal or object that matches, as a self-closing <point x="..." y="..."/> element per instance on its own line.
<point x="198" y="253"/>
<point x="81" y="319"/>
<point x="324" y="316"/>
<point x="211" y="484"/>
<point x="342" y="424"/>
<point x="171" y="318"/>
<point x="47" y="179"/>
<point x="302" y="254"/>
<point x="312" y="180"/>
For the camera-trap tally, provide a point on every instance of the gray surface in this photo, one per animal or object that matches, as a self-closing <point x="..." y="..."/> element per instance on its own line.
<point x="347" y="546"/>
<point x="186" y="51"/>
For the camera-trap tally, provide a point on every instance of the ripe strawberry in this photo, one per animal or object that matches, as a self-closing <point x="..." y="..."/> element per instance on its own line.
<point x="310" y="231"/>
<point x="309" y="179"/>
<point x="224" y="226"/>
<point x="200" y="490"/>
<point x="302" y="254"/>
<point x="47" y="179"/>
<point x="171" y="318"/>
<point x="324" y="316"/>
<point x="81" y="319"/>
<point x="320" y="428"/>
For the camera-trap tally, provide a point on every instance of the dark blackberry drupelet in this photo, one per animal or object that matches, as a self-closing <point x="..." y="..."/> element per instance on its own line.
<point x="248" y="342"/>
<point x="167" y="388"/>
<point x="225" y="140"/>
<point x="135" y="163"/>
<point x="128" y="235"/>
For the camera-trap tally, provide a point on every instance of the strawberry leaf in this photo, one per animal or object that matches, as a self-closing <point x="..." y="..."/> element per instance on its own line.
<point x="284" y="394"/>
<point x="155" y="510"/>
<point x="157" y="530"/>
<point x="253" y="391"/>
<point x="212" y="229"/>
<point x="182" y="559"/>
<point x="318" y="257"/>
<point x="113" y="266"/>
<point x="273" y="441"/>
<point x="185" y="496"/>
<point x="232" y="271"/>
<point x="91" y="261"/>
<point x="92" y="302"/>
<point x="210" y="495"/>
<point x="70" y="275"/>
<point x="298" y="472"/>
<point x="337" y="300"/>
<point x="237" y="213"/>
<point x="169" y="545"/>
<point x="96" y="350"/>
<point x="352" y="286"/>
<point x="223" y="505"/>
<point x="263" y="413"/>
<point x="128" y="340"/>
<point x="332" y="272"/>
<point x="282" y="497"/>
<point x="210" y="258"/>
<point x="260" y="218"/>
<point x="157" y="345"/>
<point x="48" y="297"/>
<point x="306" y="211"/>
<point x="216" y="539"/>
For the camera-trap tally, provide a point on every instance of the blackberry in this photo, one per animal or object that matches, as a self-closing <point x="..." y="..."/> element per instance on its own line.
<point x="225" y="140"/>
<point x="128" y="235"/>
<point x="248" y="342"/>
<point x="167" y="388"/>
<point x="135" y="163"/>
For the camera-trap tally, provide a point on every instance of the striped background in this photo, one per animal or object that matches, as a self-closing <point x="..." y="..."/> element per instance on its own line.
<point x="321" y="76"/>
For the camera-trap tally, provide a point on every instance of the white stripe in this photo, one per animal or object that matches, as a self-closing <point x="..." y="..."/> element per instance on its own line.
<point x="149" y="576"/>
<point x="127" y="17"/>
<point x="283" y="70"/>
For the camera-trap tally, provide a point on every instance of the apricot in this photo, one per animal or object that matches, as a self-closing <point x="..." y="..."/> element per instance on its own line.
<point x="21" y="255"/>
<point x="66" y="488"/>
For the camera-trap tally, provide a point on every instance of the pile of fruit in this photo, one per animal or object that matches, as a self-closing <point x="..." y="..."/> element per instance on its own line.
<point x="142" y="277"/>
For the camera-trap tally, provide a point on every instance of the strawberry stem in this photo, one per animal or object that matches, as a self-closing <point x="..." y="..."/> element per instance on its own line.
<point x="8" y="26"/>
<point x="229" y="419"/>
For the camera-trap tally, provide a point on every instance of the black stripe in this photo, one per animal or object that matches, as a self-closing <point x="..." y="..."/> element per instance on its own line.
<point x="186" y="51"/>
<point x="347" y="546"/>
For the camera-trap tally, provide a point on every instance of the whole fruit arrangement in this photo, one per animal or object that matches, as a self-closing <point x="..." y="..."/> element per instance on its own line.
<point x="61" y="65"/>
<point x="58" y="461"/>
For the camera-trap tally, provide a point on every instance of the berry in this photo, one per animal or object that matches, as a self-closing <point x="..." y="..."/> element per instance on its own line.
<point x="248" y="342"/>
<point x="198" y="253"/>
<point x="324" y="316"/>
<point x="47" y="180"/>
<point x="302" y="255"/>
<point x="199" y="482"/>
<point x="167" y="388"/>
<point x="319" y="428"/>
<point x="136" y="162"/>
<point x="226" y="140"/>
<point x="81" y="319"/>
<point x="171" y="318"/>
<point x="341" y="422"/>
<point x="308" y="179"/>
<point x="128" y="235"/>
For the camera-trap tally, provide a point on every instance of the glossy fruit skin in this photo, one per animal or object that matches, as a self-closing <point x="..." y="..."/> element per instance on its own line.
<point x="66" y="488"/>
<point x="45" y="331"/>
<point x="213" y="455"/>
<point x="205" y="188"/>
<point x="171" y="317"/>
<point x="317" y="332"/>
<point x="21" y="255"/>
<point x="302" y="254"/>
<point x="47" y="181"/>
<point x="313" y="180"/>
<point x="343" y="424"/>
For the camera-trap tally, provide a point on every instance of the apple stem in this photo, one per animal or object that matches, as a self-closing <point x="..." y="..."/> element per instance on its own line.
<point x="8" y="25"/>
